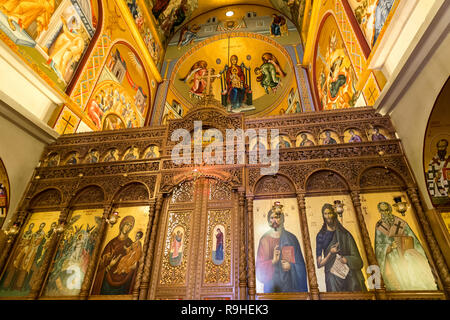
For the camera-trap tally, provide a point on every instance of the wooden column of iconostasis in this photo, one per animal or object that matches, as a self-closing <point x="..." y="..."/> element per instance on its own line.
<point x="197" y="242"/>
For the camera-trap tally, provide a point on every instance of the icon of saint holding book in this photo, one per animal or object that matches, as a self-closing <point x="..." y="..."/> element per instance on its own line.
<point x="279" y="262"/>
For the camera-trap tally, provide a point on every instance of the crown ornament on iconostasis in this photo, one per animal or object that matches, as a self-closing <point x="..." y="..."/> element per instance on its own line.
<point x="278" y="208"/>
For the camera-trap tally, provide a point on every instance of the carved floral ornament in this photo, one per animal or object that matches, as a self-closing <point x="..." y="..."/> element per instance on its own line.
<point x="274" y="184"/>
<point x="341" y="175"/>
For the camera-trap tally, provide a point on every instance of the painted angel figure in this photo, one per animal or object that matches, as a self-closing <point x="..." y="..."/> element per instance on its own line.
<point x="269" y="73"/>
<point x="200" y="75"/>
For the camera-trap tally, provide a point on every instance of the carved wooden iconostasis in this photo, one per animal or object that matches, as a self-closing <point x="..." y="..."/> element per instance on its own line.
<point x="125" y="222"/>
<point x="110" y="215"/>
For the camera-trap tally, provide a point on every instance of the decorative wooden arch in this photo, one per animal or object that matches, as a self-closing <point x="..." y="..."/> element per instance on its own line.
<point x="278" y="184"/>
<point x="377" y="178"/>
<point x="325" y="181"/>
<point x="134" y="191"/>
<point x="90" y="195"/>
<point x="50" y="198"/>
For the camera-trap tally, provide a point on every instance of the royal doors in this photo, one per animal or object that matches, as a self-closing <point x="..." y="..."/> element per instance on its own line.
<point x="196" y="252"/>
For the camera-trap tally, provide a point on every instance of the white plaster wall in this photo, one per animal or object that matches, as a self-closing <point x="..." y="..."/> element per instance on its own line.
<point x="410" y="115"/>
<point x="22" y="85"/>
<point x="20" y="153"/>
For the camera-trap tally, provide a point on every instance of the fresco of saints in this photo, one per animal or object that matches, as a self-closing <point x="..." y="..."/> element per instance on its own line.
<point x="402" y="260"/>
<point x="283" y="143"/>
<point x="118" y="261"/>
<point x="269" y="73"/>
<point x="25" y="12"/>
<point x="279" y="261"/>
<point x="176" y="248"/>
<point x="67" y="49"/>
<point x="29" y="261"/>
<point x="151" y="153"/>
<point x="132" y="154"/>
<point x="95" y="112"/>
<point x="336" y="245"/>
<point x="439" y="171"/>
<point x="187" y="35"/>
<point x="175" y="14"/>
<point x="158" y="7"/>
<point x="92" y="157"/>
<point x="53" y="160"/>
<point x="15" y="275"/>
<point x="112" y="155"/>
<point x="336" y="87"/>
<point x="72" y="159"/>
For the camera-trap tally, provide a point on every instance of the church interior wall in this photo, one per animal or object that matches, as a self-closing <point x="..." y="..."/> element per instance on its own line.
<point x="19" y="162"/>
<point x="194" y="231"/>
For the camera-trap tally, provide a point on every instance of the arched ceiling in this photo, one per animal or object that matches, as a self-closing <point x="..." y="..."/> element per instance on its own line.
<point x="204" y="6"/>
<point x="208" y="5"/>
